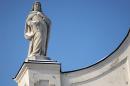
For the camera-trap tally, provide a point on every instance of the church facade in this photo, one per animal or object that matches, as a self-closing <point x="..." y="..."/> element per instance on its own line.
<point x="39" y="70"/>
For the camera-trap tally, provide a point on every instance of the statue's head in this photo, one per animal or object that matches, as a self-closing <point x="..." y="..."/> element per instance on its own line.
<point x="37" y="6"/>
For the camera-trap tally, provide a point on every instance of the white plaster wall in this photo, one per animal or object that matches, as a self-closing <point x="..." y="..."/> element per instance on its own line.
<point x="45" y="72"/>
<point x="24" y="79"/>
<point x="117" y="77"/>
<point x="39" y="74"/>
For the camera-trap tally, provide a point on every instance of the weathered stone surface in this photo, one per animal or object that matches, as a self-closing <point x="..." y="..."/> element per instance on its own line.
<point x="39" y="73"/>
<point x="37" y="31"/>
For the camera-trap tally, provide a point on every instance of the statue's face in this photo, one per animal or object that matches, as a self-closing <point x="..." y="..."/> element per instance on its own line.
<point x="36" y="7"/>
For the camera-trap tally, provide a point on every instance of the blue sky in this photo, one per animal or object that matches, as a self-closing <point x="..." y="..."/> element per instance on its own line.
<point x="82" y="33"/>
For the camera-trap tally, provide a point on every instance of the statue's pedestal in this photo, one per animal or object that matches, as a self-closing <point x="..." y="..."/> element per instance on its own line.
<point x="38" y="58"/>
<point x="39" y="73"/>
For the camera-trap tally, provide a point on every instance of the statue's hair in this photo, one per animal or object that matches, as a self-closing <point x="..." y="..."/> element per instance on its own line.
<point x="40" y="10"/>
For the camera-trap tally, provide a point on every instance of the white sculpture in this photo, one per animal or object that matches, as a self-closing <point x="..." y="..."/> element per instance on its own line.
<point x="37" y="31"/>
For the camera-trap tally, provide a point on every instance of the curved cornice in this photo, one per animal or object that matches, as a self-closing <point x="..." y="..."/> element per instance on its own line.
<point x="121" y="44"/>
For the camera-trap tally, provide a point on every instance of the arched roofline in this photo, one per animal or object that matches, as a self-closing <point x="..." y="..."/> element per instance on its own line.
<point x="103" y="58"/>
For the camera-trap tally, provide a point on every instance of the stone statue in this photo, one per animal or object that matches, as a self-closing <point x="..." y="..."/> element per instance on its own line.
<point x="37" y="30"/>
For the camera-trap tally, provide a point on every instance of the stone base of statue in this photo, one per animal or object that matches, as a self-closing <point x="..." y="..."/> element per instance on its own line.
<point x="38" y="58"/>
<point x="39" y="73"/>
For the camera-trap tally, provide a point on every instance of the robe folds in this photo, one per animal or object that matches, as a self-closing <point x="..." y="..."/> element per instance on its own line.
<point x="37" y="31"/>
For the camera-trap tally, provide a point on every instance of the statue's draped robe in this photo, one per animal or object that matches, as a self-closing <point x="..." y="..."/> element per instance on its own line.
<point x="37" y="30"/>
